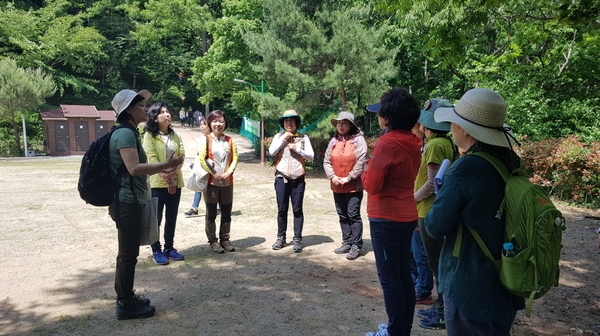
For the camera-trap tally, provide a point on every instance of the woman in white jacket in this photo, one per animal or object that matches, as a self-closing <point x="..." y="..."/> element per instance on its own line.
<point x="292" y="150"/>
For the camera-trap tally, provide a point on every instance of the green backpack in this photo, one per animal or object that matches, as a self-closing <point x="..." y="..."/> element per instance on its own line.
<point x="534" y="226"/>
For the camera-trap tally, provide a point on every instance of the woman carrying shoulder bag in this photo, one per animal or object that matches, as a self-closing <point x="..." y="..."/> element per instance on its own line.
<point x="125" y="149"/>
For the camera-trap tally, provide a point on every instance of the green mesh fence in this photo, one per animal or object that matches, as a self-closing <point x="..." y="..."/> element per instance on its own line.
<point x="250" y="128"/>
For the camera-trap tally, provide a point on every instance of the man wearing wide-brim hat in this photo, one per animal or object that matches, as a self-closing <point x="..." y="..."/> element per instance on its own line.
<point x="475" y="302"/>
<point x="291" y="149"/>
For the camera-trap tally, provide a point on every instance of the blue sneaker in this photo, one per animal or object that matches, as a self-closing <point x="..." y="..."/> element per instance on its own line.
<point x="173" y="254"/>
<point x="160" y="258"/>
<point x="435" y="322"/>
<point x="427" y="313"/>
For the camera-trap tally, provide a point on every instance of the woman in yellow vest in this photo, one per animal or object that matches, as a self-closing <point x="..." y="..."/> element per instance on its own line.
<point x="160" y="143"/>
<point x="219" y="157"/>
<point x="344" y="163"/>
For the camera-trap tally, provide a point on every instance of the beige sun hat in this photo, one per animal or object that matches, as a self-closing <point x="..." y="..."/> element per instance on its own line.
<point x="344" y="115"/>
<point x="289" y="114"/>
<point x="123" y="99"/>
<point x="481" y="113"/>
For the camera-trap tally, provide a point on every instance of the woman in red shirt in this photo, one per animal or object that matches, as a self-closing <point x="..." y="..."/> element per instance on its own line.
<point x="389" y="181"/>
<point x="343" y="163"/>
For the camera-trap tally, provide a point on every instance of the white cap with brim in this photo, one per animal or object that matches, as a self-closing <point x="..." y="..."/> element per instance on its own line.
<point x="481" y="113"/>
<point x="123" y="99"/>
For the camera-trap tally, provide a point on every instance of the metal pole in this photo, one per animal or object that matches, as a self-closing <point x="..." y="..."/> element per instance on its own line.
<point x="262" y="128"/>
<point x="24" y="135"/>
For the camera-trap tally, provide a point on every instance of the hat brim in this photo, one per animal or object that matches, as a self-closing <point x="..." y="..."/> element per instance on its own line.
<point x="143" y="93"/>
<point x="280" y="120"/>
<point x="426" y="119"/>
<point x="335" y="120"/>
<point x="373" y="108"/>
<point x="488" y="135"/>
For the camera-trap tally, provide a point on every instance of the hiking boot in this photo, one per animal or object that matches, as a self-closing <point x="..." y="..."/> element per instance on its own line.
<point x="173" y="254"/>
<point x="145" y="302"/>
<point x="354" y="252"/>
<point x="216" y="247"/>
<point x="427" y="313"/>
<point x="279" y="243"/>
<point x="192" y="212"/>
<point x="132" y="309"/>
<point x="297" y="246"/>
<point x="227" y="246"/>
<point x="345" y="248"/>
<point x="423" y="299"/>
<point x="435" y="322"/>
<point x="160" y="258"/>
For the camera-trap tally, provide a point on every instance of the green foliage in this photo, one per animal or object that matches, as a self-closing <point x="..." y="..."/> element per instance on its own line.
<point x="21" y="91"/>
<point x="307" y="51"/>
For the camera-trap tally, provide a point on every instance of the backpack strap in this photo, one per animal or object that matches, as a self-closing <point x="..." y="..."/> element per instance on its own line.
<point x="122" y="170"/>
<point x="500" y="167"/>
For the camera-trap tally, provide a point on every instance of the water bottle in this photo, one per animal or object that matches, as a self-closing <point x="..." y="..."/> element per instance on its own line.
<point x="509" y="250"/>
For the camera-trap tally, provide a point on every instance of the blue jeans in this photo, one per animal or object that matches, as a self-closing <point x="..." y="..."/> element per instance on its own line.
<point x="458" y="324"/>
<point x="347" y="206"/>
<point x="171" y="203"/>
<point x="391" y="246"/>
<point x="196" y="201"/>
<point x="294" y="190"/>
<point x="424" y="279"/>
<point x="129" y="223"/>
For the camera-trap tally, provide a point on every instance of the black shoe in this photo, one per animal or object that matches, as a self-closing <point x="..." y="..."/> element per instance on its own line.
<point x="192" y="212"/>
<point x="345" y="248"/>
<point x="142" y="299"/>
<point x="297" y="246"/>
<point x="132" y="309"/>
<point x="279" y="243"/>
<point x="354" y="252"/>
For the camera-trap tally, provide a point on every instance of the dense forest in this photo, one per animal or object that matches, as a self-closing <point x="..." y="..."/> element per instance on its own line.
<point x="542" y="56"/>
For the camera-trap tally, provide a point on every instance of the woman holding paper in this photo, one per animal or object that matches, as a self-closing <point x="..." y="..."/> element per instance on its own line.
<point x="223" y="154"/>
<point x="437" y="148"/>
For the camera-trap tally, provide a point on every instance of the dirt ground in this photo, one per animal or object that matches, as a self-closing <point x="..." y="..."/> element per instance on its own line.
<point x="59" y="258"/>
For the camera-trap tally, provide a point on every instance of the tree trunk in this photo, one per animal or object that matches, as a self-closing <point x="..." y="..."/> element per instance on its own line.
<point x="343" y="96"/>
<point x="15" y="128"/>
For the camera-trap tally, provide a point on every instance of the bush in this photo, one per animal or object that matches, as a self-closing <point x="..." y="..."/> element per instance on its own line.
<point x="569" y="167"/>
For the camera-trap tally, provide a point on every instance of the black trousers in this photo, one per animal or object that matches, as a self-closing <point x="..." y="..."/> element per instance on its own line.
<point x="294" y="190"/>
<point x="129" y="221"/>
<point x="347" y="206"/>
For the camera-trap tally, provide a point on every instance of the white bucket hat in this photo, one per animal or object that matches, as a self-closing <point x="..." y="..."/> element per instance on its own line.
<point x="123" y="99"/>
<point x="481" y="113"/>
<point x="344" y="116"/>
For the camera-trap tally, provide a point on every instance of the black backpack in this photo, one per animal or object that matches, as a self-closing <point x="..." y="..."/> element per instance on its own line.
<point x="96" y="186"/>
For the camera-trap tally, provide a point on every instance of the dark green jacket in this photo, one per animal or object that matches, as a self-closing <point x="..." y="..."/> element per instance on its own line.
<point x="472" y="192"/>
